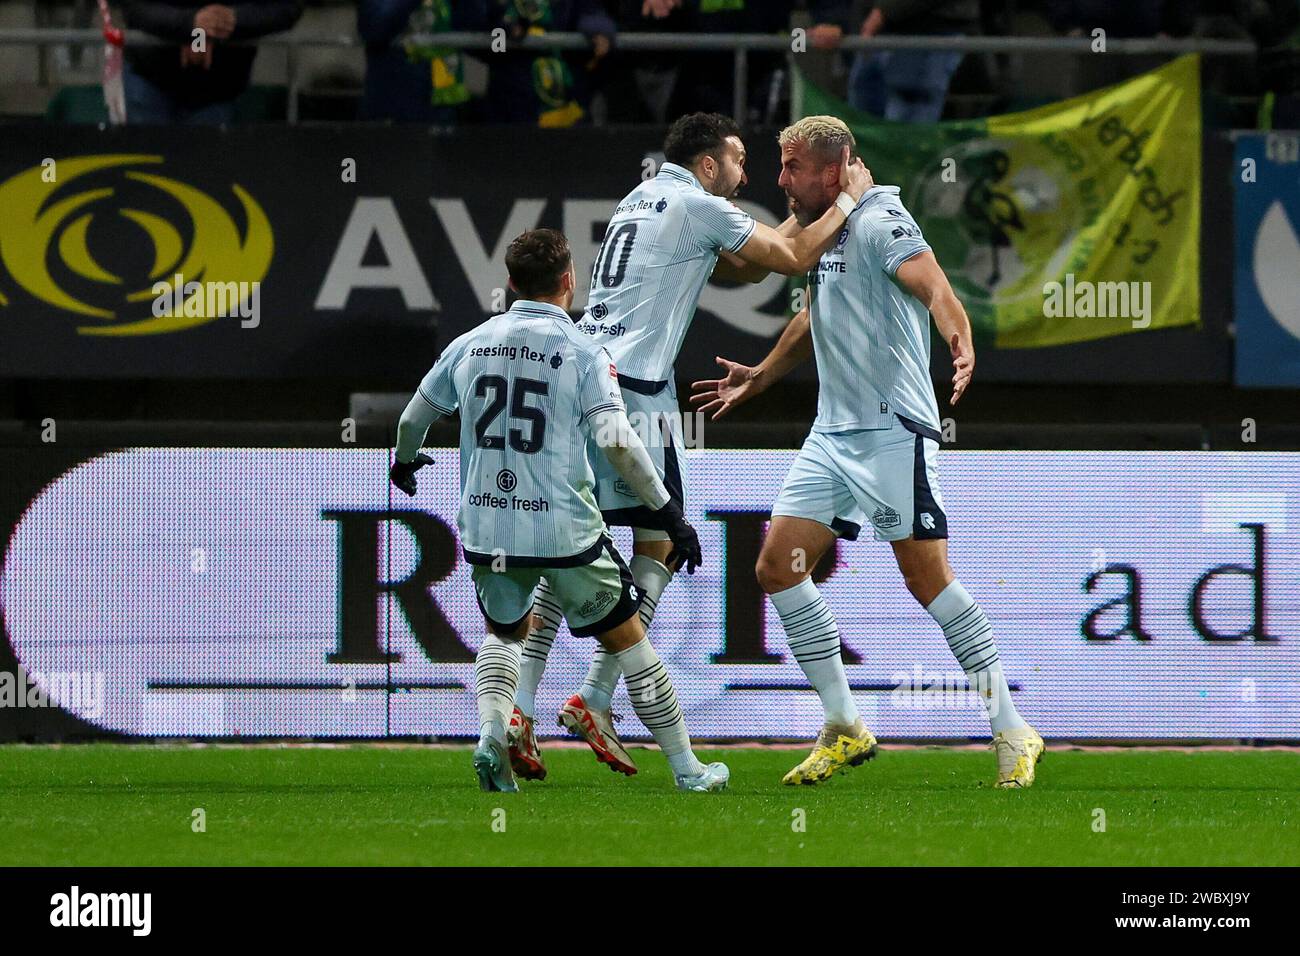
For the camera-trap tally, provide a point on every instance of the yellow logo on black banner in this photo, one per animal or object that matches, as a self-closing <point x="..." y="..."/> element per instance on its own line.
<point x="49" y="229"/>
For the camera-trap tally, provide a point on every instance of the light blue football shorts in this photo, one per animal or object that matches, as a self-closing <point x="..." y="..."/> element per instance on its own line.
<point x="886" y="476"/>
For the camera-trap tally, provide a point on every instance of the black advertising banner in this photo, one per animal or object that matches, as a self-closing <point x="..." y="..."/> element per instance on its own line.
<point x="344" y="251"/>
<point x="355" y="252"/>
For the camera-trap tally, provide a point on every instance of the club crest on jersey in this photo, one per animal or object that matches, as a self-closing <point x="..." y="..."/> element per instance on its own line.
<point x="885" y="518"/>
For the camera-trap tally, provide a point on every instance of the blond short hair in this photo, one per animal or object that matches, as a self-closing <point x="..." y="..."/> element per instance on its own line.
<point x="825" y="136"/>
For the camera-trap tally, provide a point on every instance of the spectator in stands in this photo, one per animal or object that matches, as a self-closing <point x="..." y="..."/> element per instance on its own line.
<point x="906" y="85"/>
<point x="639" y="86"/>
<point x="196" y="81"/>
<point x="1133" y="18"/>
<point x="411" y="82"/>
<point x="657" y="86"/>
<point x="1275" y="25"/>
<point x="706" y="80"/>
<point x="545" y="88"/>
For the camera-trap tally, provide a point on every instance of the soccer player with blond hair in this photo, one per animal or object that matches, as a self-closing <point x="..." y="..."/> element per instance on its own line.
<point x="871" y="453"/>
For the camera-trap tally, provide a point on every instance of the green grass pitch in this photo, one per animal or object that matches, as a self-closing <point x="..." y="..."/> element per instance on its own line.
<point x="133" y="805"/>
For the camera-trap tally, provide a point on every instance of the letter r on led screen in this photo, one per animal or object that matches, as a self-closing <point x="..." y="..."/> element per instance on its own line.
<point x="272" y="592"/>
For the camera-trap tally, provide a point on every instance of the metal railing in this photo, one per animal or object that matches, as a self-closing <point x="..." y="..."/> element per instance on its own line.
<point x="740" y="45"/>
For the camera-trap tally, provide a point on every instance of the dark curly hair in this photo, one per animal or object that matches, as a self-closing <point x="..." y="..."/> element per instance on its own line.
<point x="697" y="134"/>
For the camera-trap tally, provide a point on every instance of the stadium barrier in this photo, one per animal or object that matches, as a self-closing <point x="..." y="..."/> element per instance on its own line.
<point x="272" y="592"/>
<point x="740" y="45"/>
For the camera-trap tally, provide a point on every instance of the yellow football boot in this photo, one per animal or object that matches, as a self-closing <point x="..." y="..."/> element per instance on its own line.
<point x="836" y="750"/>
<point x="1018" y="754"/>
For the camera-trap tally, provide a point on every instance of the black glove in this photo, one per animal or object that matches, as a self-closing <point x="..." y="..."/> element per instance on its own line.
<point x="402" y="474"/>
<point x="686" y="543"/>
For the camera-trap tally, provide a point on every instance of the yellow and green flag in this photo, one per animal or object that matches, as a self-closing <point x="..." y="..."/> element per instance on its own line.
<point x="1069" y="222"/>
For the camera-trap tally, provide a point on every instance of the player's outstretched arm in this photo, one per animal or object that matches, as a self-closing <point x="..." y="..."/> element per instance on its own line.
<point x="732" y="268"/>
<point x="795" y="255"/>
<point x="614" y="434"/>
<point x="742" y="382"/>
<point x="924" y="279"/>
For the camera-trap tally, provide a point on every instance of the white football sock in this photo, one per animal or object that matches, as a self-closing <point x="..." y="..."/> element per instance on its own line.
<point x="597" y="688"/>
<point x="537" y="648"/>
<point x="655" y="703"/>
<point x="970" y="638"/>
<point x="651" y="578"/>
<point x="814" y="640"/>
<point x="496" y="675"/>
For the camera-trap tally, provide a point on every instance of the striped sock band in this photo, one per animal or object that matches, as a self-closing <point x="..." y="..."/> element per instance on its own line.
<point x="970" y="637"/>
<point x="538" y="647"/>
<point x="814" y="640"/>
<point x="966" y="628"/>
<point x="496" y="675"/>
<point x="646" y="610"/>
<point x="655" y="703"/>
<point x="651" y="578"/>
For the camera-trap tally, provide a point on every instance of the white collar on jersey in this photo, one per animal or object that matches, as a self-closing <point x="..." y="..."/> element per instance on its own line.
<point x="877" y="191"/>
<point x="533" y="307"/>
<point x="680" y="172"/>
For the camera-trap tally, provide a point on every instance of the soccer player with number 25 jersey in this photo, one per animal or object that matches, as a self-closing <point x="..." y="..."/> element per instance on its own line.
<point x="532" y="392"/>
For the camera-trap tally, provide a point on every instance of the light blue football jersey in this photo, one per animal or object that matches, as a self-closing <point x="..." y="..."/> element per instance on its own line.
<point x="870" y="336"/>
<point x="526" y="383"/>
<point x="659" y="250"/>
